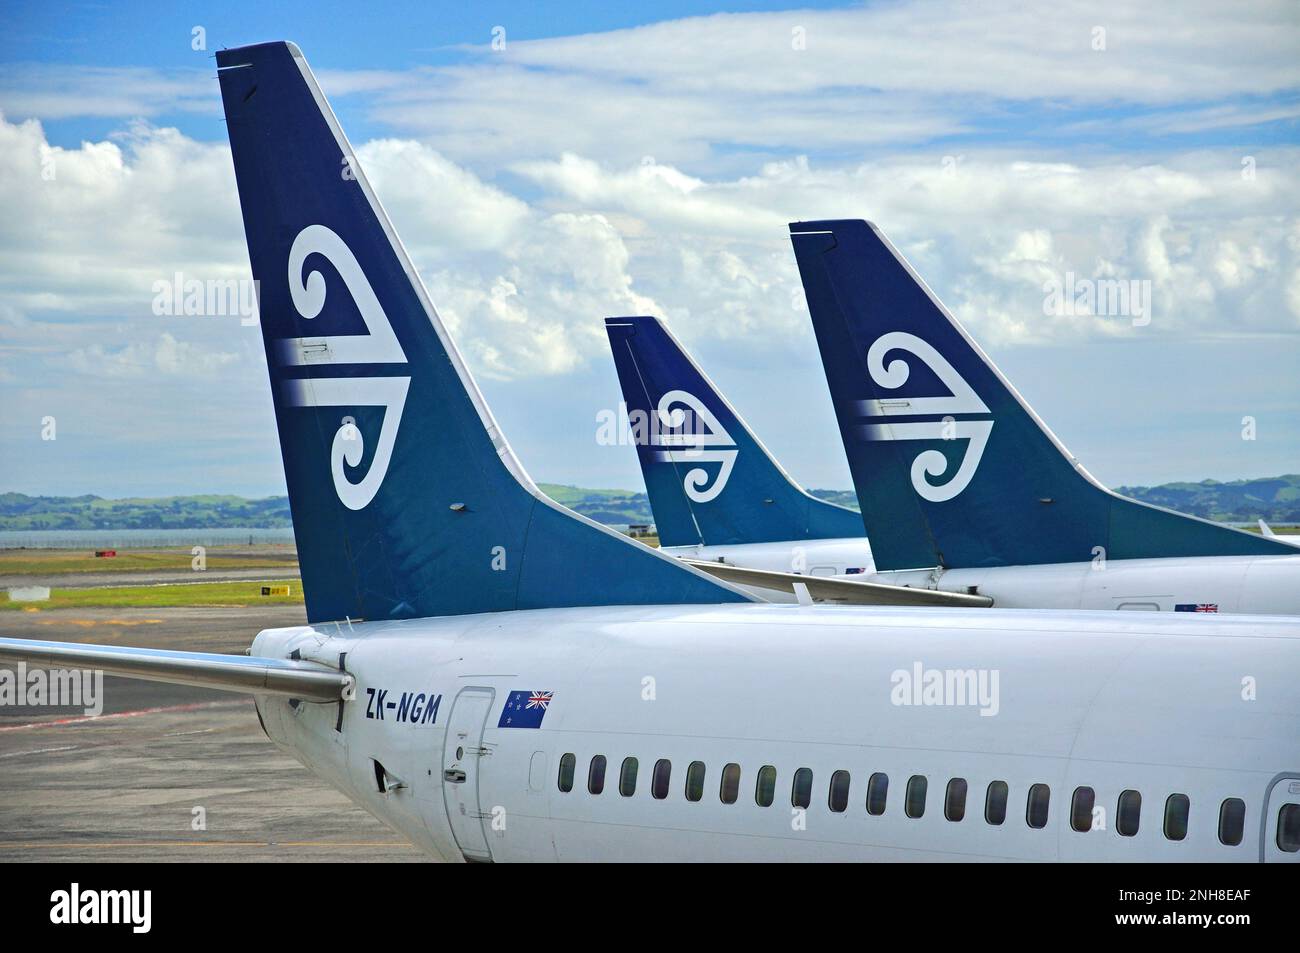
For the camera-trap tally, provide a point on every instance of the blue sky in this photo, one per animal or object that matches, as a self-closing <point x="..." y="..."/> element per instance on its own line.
<point x="617" y="159"/>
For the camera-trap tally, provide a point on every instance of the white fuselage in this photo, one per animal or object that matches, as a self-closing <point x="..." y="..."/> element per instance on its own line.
<point x="814" y="557"/>
<point x="1077" y="702"/>
<point x="1268" y="585"/>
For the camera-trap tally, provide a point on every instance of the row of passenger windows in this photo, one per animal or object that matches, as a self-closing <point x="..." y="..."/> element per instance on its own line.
<point x="1128" y="814"/>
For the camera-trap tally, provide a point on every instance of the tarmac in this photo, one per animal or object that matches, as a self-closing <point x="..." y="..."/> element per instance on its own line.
<point x="134" y="783"/>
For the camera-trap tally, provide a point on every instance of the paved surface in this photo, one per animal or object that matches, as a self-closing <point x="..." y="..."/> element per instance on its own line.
<point x="124" y="786"/>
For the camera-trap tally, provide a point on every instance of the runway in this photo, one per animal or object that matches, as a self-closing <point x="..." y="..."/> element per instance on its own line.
<point x="125" y="786"/>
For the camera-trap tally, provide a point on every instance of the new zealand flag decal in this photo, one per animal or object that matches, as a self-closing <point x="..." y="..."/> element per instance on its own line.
<point x="525" y="710"/>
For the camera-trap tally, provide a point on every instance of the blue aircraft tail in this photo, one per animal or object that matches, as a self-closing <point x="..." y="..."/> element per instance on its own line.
<point x="407" y="501"/>
<point x="709" y="478"/>
<point x="950" y="465"/>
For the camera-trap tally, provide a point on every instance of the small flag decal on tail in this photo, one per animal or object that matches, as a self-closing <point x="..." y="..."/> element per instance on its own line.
<point x="525" y="709"/>
<point x="1196" y="607"/>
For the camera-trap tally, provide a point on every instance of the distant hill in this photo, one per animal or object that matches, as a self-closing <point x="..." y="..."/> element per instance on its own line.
<point x="21" y="512"/>
<point x="841" y="497"/>
<point x="1275" y="499"/>
<point x="614" y="507"/>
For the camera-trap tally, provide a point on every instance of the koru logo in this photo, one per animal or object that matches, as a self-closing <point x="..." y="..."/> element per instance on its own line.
<point x="693" y="435"/>
<point x="378" y="346"/>
<point x="929" y="463"/>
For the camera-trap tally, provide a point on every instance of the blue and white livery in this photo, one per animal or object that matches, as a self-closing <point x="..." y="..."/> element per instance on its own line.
<point x="963" y="488"/>
<point x="594" y="700"/>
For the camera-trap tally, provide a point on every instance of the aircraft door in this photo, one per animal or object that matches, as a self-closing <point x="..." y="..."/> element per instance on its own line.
<point x="461" y="759"/>
<point x="1282" y="822"/>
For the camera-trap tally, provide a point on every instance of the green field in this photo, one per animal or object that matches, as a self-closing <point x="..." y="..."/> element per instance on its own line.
<point x="30" y="562"/>
<point x="223" y="594"/>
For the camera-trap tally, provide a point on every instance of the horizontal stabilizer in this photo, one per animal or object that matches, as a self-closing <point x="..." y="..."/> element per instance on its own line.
<point x="841" y="590"/>
<point x="231" y="673"/>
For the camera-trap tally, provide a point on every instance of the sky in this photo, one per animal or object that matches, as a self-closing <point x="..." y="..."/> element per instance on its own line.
<point x="551" y="165"/>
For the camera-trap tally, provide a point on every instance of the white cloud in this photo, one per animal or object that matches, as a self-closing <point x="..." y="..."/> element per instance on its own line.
<point x="453" y="209"/>
<point x="59" y="91"/>
<point x="949" y="46"/>
<point x="165" y="355"/>
<point x="524" y="284"/>
<point x="708" y="92"/>
<point x="654" y="170"/>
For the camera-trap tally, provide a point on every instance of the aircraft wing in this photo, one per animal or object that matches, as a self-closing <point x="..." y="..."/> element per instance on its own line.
<point x="233" y="673"/>
<point x="840" y="588"/>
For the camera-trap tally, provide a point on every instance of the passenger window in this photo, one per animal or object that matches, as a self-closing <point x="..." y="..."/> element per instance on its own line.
<point x="801" y="790"/>
<point x="1129" y="814"/>
<point x="954" y="798"/>
<point x="596" y="774"/>
<point x="567" y="763"/>
<point x="954" y="801"/>
<point x="1232" y="821"/>
<point x="838" y="799"/>
<point x="914" y="797"/>
<point x="1081" y="809"/>
<point x="765" y="786"/>
<point x="730" y="789"/>
<point x="695" y="781"/>
<point x="1176" y="808"/>
<point x="1036" y="808"/>
<point x="995" y="802"/>
<point x="659" y="780"/>
<point x="877" y="792"/>
<point x="627" y="777"/>
<point x="1288" y="828"/>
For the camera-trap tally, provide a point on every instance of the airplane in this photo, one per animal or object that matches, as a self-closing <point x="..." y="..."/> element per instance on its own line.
<point x="962" y="487"/>
<point x="499" y="679"/>
<point x="720" y="499"/>
<point x="723" y="502"/>
<point x="744" y="508"/>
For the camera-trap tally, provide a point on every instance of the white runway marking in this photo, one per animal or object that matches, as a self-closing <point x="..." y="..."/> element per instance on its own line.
<point x="19" y="754"/>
